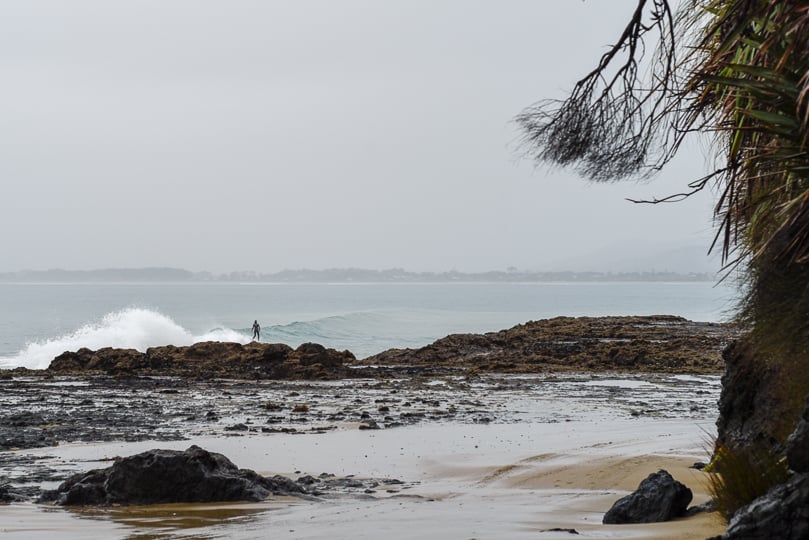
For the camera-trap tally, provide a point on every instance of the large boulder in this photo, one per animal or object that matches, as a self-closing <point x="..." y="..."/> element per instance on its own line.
<point x="167" y="476"/>
<point x="658" y="498"/>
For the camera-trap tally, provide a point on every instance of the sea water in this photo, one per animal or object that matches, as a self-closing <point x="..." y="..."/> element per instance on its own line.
<point x="41" y="320"/>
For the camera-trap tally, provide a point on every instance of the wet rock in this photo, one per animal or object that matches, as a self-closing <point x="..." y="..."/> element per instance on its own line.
<point x="166" y="476"/>
<point x="392" y="482"/>
<point x="708" y="506"/>
<point x="308" y="480"/>
<point x="15" y="438"/>
<point x="369" y="424"/>
<point x="313" y="353"/>
<point x="237" y="427"/>
<point x="658" y="498"/>
<point x="9" y="494"/>
<point x="274" y="407"/>
<point x="211" y="359"/>
<point x="23" y="419"/>
<point x="653" y="344"/>
<point x="104" y="359"/>
<point x="783" y="513"/>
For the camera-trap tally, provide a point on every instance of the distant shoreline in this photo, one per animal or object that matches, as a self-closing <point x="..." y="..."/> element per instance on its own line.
<point x="341" y="276"/>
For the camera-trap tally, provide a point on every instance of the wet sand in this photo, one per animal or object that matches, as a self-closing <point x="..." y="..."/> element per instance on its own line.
<point x="460" y="481"/>
<point x="554" y="455"/>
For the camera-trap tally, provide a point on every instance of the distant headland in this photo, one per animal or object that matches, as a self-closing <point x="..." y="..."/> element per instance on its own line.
<point x="340" y="275"/>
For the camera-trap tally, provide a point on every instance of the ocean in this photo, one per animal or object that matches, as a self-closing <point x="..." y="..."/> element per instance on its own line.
<point x="41" y="320"/>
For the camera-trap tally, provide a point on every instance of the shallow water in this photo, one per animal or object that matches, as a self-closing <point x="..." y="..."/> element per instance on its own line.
<point x="462" y="477"/>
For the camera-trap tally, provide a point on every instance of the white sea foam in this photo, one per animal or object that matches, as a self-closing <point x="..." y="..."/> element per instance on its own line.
<point x="133" y="328"/>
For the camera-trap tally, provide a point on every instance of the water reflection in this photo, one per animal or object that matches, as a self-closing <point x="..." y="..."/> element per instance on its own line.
<point x="163" y="521"/>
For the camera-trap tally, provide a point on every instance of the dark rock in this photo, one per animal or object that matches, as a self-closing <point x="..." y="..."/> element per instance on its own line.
<point x="369" y="424"/>
<point x="308" y="480"/>
<point x="166" y="476"/>
<point x="210" y="359"/>
<point x="275" y="352"/>
<point x="708" y="506"/>
<point x="559" y="529"/>
<point x="658" y="498"/>
<point x="656" y="343"/>
<point x="237" y="427"/>
<point x="23" y="419"/>
<point x="798" y="444"/>
<point x="309" y="354"/>
<point x="104" y="359"/>
<point x="9" y="494"/>
<point x="781" y="514"/>
<point x="749" y="401"/>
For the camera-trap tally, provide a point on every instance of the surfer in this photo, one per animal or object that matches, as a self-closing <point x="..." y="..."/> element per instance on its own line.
<point x="256" y="331"/>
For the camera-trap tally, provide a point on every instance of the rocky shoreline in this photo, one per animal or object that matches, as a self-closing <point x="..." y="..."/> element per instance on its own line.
<point x="661" y="344"/>
<point x="230" y="390"/>
<point x="42" y="412"/>
<point x="658" y="344"/>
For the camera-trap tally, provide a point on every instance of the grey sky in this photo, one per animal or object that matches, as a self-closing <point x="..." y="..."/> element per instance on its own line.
<point x="265" y="135"/>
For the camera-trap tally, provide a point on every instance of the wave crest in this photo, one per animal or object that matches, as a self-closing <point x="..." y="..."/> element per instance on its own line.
<point x="132" y="328"/>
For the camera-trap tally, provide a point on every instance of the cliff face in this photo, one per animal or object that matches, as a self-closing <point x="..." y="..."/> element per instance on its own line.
<point x="749" y="404"/>
<point x="783" y="512"/>
<point x="762" y="410"/>
<point x="762" y="399"/>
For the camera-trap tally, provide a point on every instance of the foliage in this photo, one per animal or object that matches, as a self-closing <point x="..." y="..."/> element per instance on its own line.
<point x="737" y="477"/>
<point x="737" y="70"/>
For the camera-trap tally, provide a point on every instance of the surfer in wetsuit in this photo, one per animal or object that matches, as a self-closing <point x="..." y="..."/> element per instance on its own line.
<point x="256" y="331"/>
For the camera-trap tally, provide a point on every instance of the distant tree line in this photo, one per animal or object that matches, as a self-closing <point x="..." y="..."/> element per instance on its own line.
<point x="338" y="275"/>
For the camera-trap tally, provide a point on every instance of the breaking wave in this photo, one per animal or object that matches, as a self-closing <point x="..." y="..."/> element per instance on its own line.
<point x="364" y="333"/>
<point x="132" y="328"/>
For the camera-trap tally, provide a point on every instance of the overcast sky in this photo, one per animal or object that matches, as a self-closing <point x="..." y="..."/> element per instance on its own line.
<point x="263" y="135"/>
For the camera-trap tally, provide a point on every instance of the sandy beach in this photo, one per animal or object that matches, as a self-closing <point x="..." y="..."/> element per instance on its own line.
<point x="514" y="479"/>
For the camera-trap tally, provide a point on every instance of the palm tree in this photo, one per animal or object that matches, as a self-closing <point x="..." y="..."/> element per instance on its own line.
<point x="737" y="70"/>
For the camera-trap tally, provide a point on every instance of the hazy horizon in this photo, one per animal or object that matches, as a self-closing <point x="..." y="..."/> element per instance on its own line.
<point x="270" y="135"/>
